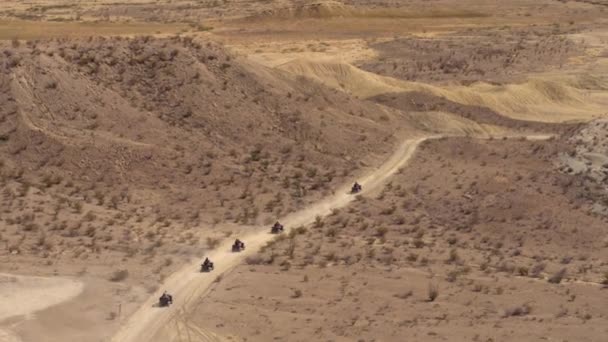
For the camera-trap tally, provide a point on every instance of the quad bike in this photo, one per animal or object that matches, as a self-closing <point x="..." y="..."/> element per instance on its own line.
<point x="165" y="300"/>
<point x="207" y="266"/>
<point x="238" y="246"/>
<point x="277" y="228"/>
<point x="356" y="188"/>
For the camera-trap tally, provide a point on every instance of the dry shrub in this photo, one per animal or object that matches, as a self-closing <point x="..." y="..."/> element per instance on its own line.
<point x="405" y="294"/>
<point x="523" y="271"/>
<point x="557" y="277"/>
<point x="433" y="292"/>
<point x="119" y="275"/>
<point x="454" y="257"/>
<point x="254" y="260"/>
<point x="521" y="310"/>
<point x="605" y="280"/>
<point x="212" y="243"/>
<point x="381" y="231"/>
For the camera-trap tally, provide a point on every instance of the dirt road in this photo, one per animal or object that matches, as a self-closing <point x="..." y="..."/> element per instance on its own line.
<point x="189" y="284"/>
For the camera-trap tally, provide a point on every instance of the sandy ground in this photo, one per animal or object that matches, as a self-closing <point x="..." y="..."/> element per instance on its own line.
<point x="23" y="296"/>
<point x="189" y="284"/>
<point x="466" y="216"/>
<point x="123" y="160"/>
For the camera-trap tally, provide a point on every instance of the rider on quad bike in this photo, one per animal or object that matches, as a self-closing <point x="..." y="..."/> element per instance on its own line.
<point x="207" y="265"/>
<point x="238" y="246"/>
<point x="276" y="228"/>
<point x="356" y="188"/>
<point x="165" y="300"/>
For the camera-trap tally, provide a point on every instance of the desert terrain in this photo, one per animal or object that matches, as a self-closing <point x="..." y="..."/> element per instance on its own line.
<point x="139" y="137"/>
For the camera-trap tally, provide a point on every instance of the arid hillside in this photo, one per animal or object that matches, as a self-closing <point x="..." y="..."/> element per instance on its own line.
<point x="495" y="55"/>
<point x="475" y="241"/>
<point x="129" y="146"/>
<point x="122" y="158"/>
<point x="139" y="137"/>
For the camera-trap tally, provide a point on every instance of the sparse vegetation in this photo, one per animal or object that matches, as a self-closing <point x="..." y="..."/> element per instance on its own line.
<point x="432" y="292"/>
<point x="520" y="310"/>
<point x="124" y="155"/>
<point x="557" y="277"/>
<point x="119" y="275"/>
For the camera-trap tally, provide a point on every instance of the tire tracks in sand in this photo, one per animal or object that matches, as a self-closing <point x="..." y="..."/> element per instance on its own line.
<point x="188" y="284"/>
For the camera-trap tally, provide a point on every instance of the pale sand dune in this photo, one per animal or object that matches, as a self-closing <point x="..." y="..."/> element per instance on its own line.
<point x="545" y="98"/>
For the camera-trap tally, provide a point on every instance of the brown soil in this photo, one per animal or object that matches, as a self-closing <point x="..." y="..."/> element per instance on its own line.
<point x="137" y="137"/>
<point x="491" y="224"/>
<point x="587" y="160"/>
<point x="115" y="152"/>
<point x="494" y="55"/>
<point x="422" y="102"/>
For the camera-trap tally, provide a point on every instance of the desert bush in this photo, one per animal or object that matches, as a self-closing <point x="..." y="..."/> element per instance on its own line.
<point x="418" y="243"/>
<point x="521" y="310"/>
<point x="405" y="294"/>
<point x="119" y="275"/>
<point x="89" y="217"/>
<point x="452" y="240"/>
<point x="330" y="256"/>
<point x="30" y="227"/>
<point x="452" y="276"/>
<point x="453" y="257"/>
<point x="331" y="232"/>
<point x="254" y="260"/>
<point x="557" y="277"/>
<point x="537" y="270"/>
<point x="432" y="292"/>
<point x="399" y="220"/>
<point x="412" y="257"/>
<point x="51" y="85"/>
<point x="381" y="232"/>
<point x="388" y="211"/>
<point x="298" y="231"/>
<point x="285" y="265"/>
<point x="212" y="243"/>
<point x="477" y="288"/>
<point x="522" y="271"/>
<point x="297" y="293"/>
<point x="318" y="222"/>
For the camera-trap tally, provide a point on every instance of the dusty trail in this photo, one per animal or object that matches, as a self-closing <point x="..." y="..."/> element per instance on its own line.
<point x="189" y="284"/>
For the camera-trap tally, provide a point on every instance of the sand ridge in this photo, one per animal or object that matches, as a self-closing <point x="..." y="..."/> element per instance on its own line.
<point x="545" y="98"/>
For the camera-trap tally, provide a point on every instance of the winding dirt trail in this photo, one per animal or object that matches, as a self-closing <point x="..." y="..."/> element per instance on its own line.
<point x="188" y="284"/>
